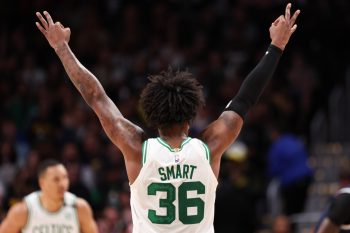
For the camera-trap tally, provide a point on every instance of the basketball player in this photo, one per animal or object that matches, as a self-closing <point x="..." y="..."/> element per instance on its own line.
<point x="52" y="209"/>
<point x="336" y="217"/>
<point x="173" y="177"/>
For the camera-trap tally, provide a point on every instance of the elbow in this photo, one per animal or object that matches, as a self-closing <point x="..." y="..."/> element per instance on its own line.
<point x="94" y="97"/>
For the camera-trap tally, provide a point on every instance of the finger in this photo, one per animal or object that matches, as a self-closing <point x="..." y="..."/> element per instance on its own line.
<point x="276" y="21"/>
<point x="287" y="13"/>
<point x="67" y="32"/>
<point x="280" y="18"/>
<point x="48" y="17"/>
<point x="43" y="31"/>
<point x="292" y="30"/>
<point x="294" y="17"/>
<point x="59" y="24"/>
<point x="42" y="20"/>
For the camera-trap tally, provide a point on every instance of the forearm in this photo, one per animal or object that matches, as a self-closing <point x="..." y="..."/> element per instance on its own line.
<point x="255" y="83"/>
<point x="86" y="83"/>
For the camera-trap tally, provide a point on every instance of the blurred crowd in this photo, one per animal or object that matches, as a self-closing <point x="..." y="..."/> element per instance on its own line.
<point x="43" y="116"/>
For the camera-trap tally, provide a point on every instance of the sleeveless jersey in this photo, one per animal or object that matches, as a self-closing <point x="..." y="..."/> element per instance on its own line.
<point x="65" y="220"/>
<point x="175" y="190"/>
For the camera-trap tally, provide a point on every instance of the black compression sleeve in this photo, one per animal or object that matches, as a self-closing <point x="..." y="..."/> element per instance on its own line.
<point x="254" y="84"/>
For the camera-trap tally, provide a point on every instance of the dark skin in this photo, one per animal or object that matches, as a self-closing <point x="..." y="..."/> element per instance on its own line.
<point x="127" y="136"/>
<point x="327" y="226"/>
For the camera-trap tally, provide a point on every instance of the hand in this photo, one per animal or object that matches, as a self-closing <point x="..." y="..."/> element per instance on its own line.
<point x="283" y="27"/>
<point x="55" y="33"/>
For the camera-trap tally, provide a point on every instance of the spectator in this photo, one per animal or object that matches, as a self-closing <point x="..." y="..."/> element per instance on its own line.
<point x="288" y="163"/>
<point x="281" y="224"/>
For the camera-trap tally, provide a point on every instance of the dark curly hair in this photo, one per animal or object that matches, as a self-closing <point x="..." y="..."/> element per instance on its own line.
<point x="171" y="97"/>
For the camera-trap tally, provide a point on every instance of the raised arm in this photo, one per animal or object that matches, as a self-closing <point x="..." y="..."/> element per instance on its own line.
<point x="124" y="134"/>
<point x="222" y="132"/>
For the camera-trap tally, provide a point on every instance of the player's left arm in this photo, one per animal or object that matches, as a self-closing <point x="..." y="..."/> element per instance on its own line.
<point x="222" y="132"/>
<point x="86" y="218"/>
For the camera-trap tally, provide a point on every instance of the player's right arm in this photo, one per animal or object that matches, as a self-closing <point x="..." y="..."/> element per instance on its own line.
<point x="221" y="133"/>
<point x="16" y="219"/>
<point x="124" y="134"/>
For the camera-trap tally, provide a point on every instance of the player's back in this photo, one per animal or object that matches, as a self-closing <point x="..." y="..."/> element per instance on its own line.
<point x="65" y="220"/>
<point x="175" y="190"/>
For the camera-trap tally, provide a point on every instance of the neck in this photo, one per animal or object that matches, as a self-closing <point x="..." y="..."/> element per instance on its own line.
<point x="175" y="134"/>
<point x="50" y="204"/>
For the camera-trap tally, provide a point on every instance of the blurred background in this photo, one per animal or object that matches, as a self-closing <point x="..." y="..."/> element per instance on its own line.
<point x="290" y="157"/>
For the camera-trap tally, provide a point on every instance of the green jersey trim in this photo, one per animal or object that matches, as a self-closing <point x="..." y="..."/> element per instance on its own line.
<point x="144" y="152"/>
<point x="161" y="141"/>
<point x="207" y="152"/>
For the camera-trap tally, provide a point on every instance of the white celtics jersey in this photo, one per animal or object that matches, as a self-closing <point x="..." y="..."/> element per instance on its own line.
<point x="175" y="190"/>
<point x="65" y="220"/>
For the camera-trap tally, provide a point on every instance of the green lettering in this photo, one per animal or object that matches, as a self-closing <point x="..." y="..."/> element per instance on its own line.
<point x="170" y="172"/>
<point x="185" y="171"/>
<point x="184" y="203"/>
<point x="178" y="171"/>
<point x="192" y="170"/>
<point x="162" y="174"/>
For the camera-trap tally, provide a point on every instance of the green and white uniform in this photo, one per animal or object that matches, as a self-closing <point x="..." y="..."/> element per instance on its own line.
<point x="65" y="220"/>
<point x="175" y="190"/>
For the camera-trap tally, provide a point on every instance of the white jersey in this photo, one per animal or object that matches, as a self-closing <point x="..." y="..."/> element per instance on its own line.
<point x="65" y="220"/>
<point x="175" y="190"/>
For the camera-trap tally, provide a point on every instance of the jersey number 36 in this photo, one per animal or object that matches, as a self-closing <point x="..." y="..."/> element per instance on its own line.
<point x="184" y="202"/>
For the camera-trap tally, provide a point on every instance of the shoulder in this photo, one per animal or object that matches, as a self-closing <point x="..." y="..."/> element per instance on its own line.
<point x="85" y="215"/>
<point x="199" y="143"/>
<point x="83" y="207"/>
<point x="19" y="209"/>
<point x="18" y="214"/>
<point x="82" y="204"/>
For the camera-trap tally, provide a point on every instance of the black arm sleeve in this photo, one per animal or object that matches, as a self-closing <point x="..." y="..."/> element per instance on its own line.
<point x="339" y="212"/>
<point x="256" y="81"/>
